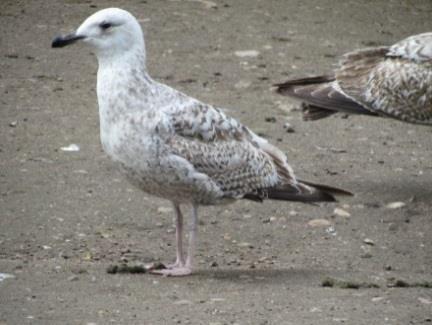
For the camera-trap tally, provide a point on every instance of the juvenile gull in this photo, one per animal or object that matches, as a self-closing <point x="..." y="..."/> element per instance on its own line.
<point x="174" y="146"/>
<point x="391" y="81"/>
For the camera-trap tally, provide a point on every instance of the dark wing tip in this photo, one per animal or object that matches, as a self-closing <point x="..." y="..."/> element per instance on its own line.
<point x="305" y="192"/>
<point x="253" y="197"/>
<point x="328" y="189"/>
<point x="313" y="113"/>
<point x="316" y="195"/>
<point x="288" y="87"/>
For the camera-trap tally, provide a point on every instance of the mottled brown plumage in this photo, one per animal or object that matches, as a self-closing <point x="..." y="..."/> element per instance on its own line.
<point x="391" y="81"/>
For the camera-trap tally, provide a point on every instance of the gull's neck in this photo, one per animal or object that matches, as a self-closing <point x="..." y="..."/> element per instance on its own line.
<point x="123" y="82"/>
<point x="124" y="88"/>
<point x="107" y="57"/>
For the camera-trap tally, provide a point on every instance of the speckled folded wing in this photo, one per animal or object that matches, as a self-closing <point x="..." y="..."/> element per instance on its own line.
<point x="389" y="85"/>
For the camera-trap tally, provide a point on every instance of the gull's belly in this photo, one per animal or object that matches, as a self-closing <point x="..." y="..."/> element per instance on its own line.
<point x="149" y="164"/>
<point x="165" y="179"/>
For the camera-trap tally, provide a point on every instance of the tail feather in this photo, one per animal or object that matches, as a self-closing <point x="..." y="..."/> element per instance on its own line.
<point x="316" y="195"/>
<point x="313" y="113"/>
<point x="321" y="97"/>
<point x="304" y="191"/>
<point x="326" y="188"/>
<point x="286" y="87"/>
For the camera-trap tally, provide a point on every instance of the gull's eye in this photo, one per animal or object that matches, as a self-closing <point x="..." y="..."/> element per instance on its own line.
<point x="104" y="25"/>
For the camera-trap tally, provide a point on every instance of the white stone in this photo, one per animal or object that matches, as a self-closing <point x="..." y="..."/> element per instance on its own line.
<point x="247" y="53"/>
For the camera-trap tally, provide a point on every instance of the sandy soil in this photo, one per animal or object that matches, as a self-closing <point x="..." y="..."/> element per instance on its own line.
<point x="66" y="216"/>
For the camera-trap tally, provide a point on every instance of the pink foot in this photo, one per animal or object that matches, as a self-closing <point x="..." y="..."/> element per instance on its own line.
<point x="174" y="265"/>
<point x="174" y="271"/>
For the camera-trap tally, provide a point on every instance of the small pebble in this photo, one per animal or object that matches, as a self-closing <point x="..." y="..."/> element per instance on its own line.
<point x="288" y="128"/>
<point x="315" y="310"/>
<point x="70" y="148"/>
<point x="4" y="276"/>
<point x="245" y="244"/>
<point x="425" y="301"/>
<point x="208" y="4"/>
<point x="13" y="124"/>
<point x="213" y="264"/>
<point x="331" y="231"/>
<point x="341" y="213"/>
<point x="368" y="241"/>
<point x="270" y="119"/>
<point x="395" y="205"/>
<point x="376" y="299"/>
<point x="319" y="223"/>
<point x="247" y="54"/>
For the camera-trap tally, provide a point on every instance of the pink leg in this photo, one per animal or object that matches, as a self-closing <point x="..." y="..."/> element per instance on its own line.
<point x="179" y="238"/>
<point x="192" y="237"/>
<point x="182" y="269"/>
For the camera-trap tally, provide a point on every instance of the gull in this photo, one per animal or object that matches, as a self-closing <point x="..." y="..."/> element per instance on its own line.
<point x="393" y="81"/>
<point x="173" y="146"/>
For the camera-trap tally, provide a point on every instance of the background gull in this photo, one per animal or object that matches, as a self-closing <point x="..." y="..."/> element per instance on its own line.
<point x="391" y="81"/>
<point x="173" y="146"/>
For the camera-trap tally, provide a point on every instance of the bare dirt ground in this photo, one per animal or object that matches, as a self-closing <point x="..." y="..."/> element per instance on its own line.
<point x="66" y="216"/>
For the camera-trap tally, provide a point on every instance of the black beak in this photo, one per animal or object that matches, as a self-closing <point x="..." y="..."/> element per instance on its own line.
<point x="61" y="41"/>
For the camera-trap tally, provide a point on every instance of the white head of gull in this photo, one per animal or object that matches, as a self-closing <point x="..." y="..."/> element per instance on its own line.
<point x="173" y="146"/>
